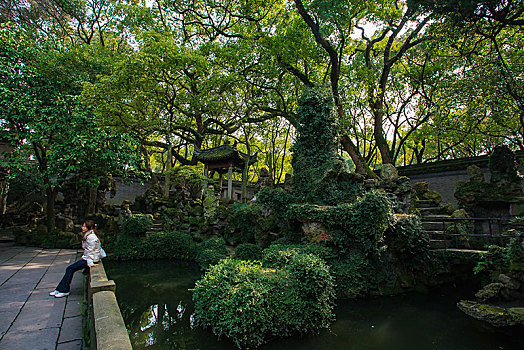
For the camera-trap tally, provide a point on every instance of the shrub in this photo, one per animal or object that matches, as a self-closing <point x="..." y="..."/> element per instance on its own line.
<point x="161" y="245"/>
<point x="276" y="199"/>
<point x="358" y="226"/>
<point x="405" y="236"/>
<point x="243" y="222"/>
<point x="350" y="276"/>
<point x="274" y="252"/>
<point x="211" y="251"/>
<point x="190" y="178"/>
<point x="248" y="251"/>
<point x="249" y="303"/>
<point x="137" y="225"/>
<point x="503" y="259"/>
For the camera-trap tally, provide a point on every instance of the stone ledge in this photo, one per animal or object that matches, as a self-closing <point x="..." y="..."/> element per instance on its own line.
<point x="110" y="329"/>
<point x="107" y="328"/>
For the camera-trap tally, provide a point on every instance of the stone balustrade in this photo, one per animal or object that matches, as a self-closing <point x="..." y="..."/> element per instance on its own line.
<point x="107" y="330"/>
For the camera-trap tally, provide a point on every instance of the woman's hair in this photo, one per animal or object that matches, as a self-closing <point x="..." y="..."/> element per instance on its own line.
<point x="90" y="224"/>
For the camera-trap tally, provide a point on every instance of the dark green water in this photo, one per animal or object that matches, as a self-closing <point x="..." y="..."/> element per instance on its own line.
<point x="156" y="304"/>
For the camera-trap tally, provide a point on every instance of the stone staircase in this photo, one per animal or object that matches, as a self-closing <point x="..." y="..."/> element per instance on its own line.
<point x="158" y="226"/>
<point x="435" y="228"/>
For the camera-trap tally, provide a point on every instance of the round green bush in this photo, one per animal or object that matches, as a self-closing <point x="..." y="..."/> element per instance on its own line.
<point x="210" y="252"/>
<point x="251" y="303"/>
<point x="248" y="251"/>
<point x="160" y="245"/>
<point x="137" y="225"/>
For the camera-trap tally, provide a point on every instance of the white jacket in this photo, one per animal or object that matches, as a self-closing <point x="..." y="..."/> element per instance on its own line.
<point x="91" y="245"/>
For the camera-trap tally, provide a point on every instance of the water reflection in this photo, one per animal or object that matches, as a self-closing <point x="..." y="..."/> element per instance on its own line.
<point x="157" y="307"/>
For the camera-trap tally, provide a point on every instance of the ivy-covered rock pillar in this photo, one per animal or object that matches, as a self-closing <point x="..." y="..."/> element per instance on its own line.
<point x="320" y="175"/>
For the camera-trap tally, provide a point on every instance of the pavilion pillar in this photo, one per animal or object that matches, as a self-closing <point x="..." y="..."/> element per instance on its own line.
<point x="206" y="174"/>
<point x="230" y="182"/>
<point x="220" y="183"/>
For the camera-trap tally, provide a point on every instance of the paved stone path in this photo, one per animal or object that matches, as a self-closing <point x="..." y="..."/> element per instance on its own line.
<point x="30" y="318"/>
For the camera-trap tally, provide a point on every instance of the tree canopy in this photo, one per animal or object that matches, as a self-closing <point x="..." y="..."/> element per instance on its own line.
<point x="411" y="81"/>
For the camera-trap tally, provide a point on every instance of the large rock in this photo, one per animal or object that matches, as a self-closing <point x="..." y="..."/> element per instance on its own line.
<point x="315" y="232"/>
<point x="475" y="174"/>
<point x="420" y="188"/>
<point x="490" y="292"/>
<point x="509" y="282"/>
<point x="388" y="172"/>
<point x="494" y="315"/>
<point x="460" y="214"/>
<point x="433" y="196"/>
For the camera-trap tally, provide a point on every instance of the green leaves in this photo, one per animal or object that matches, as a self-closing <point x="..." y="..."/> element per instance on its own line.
<point x="249" y="302"/>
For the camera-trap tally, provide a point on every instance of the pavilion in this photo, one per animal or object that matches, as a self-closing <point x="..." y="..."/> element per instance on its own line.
<point x="222" y="159"/>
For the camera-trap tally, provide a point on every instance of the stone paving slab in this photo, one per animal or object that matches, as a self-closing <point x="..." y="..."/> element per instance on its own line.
<point x="43" y="339"/>
<point x="29" y="317"/>
<point x="73" y="345"/>
<point x="73" y="308"/>
<point x="6" y="317"/>
<point x="71" y="329"/>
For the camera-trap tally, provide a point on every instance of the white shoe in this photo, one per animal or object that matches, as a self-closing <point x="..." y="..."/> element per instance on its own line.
<point x="53" y="293"/>
<point x="60" y="295"/>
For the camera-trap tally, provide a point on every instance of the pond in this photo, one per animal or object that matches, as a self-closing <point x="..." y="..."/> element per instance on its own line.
<point x="155" y="300"/>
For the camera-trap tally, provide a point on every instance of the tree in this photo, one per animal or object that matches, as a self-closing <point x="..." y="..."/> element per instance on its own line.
<point x="42" y="111"/>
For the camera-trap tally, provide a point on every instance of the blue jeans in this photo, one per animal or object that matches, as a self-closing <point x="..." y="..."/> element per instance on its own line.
<point x="65" y="283"/>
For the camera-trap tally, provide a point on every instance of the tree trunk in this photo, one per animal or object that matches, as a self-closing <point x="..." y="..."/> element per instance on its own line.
<point x="361" y="166"/>
<point x="169" y="166"/>
<point x="147" y="161"/>
<point x="4" y="188"/>
<point x="380" y="140"/>
<point x="50" y="211"/>
<point x="244" y="179"/>
<point x="91" y="204"/>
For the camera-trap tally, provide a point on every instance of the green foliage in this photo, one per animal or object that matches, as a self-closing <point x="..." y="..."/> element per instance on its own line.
<point x="249" y="303"/>
<point x="244" y="222"/>
<point x="190" y="178"/>
<point x="317" y="139"/>
<point x="515" y="253"/>
<point x="248" y="251"/>
<point x="320" y="175"/>
<point x="352" y="276"/>
<point x="52" y="240"/>
<point x="137" y="225"/>
<point x="493" y="262"/>
<point x="211" y="251"/>
<point x="406" y="238"/>
<point x="277" y="199"/>
<point x="276" y="251"/>
<point x="160" y="245"/>
<point x="359" y="226"/>
<point x="43" y="115"/>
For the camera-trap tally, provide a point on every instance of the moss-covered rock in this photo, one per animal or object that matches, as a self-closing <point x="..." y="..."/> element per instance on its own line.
<point x="475" y="174"/>
<point x="490" y="292"/>
<point x="433" y="196"/>
<point x="447" y="208"/>
<point x="420" y="188"/>
<point x="388" y="172"/>
<point x="494" y="315"/>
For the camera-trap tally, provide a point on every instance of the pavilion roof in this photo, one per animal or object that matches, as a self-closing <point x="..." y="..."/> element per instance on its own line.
<point x="223" y="156"/>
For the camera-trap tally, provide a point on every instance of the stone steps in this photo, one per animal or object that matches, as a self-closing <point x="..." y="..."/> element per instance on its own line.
<point x="439" y="244"/>
<point x="430" y="211"/>
<point x="425" y="203"/>
<point x="158" y="226"/>
<point x="461" y="250"/>
<point x="434" y="228"/>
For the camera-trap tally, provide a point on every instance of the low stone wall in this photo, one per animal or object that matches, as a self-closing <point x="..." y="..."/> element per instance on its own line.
<point x="106" y="326"/>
